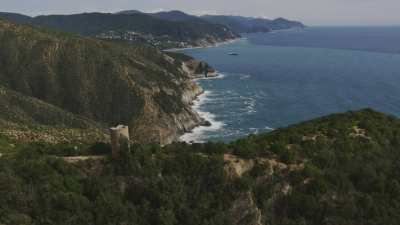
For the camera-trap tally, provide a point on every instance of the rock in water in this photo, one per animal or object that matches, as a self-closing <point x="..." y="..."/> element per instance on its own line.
<point x="205" y="123"/>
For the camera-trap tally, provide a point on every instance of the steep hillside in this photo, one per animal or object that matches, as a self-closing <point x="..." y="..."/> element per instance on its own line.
<point x="136" y="27"/>
<point x="105" y="82"/>
<point x="241" y="24"/>
<point x="340" y="169"/>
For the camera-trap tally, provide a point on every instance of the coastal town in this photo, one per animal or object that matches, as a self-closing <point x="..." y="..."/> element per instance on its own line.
<point x="162" y="42"/>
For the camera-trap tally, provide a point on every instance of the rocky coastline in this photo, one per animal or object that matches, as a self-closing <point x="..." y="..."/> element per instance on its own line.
<point x="203" y="71"/>
<point x="190" y="118"/>
<point x="157" y="126"/>
<point x="194" y="69"/>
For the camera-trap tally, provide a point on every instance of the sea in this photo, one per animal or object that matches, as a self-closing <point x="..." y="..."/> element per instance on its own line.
<point x="285" y="77"/>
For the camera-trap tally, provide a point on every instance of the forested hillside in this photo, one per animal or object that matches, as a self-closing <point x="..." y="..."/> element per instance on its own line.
<point x="339" y="169"/>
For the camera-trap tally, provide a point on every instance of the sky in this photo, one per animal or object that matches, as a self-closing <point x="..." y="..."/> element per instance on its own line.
<point x="310" y="12"/>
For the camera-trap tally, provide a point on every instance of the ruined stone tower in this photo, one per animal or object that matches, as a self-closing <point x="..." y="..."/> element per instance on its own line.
<point x="119" y="140"/>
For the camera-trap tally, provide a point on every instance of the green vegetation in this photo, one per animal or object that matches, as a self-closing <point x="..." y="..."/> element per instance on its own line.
<point x="351" y="170"/>
<point x="7" y="146"/>
<point x="339" y="169"/>
<point x="166" y="188"/>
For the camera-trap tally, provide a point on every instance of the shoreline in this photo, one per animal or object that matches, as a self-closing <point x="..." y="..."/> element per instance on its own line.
<point x="206" y="46"/>
<point x="195" y="135"/>
<point x="208" y="121"/>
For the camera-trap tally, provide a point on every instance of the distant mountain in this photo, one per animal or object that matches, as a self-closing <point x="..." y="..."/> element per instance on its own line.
<point x="282" y="23"/>
<point x="241" y="24"/>
<point x="171" y="29"/>
<point x="130" y="12"/>
<point x="178" y="16"/>
<point x="238" y="24"/>
<point x="53" y="79"/>
<point x="133" y="25"/>
<point x="18" y="18"/>
<point x="174" y="15"/>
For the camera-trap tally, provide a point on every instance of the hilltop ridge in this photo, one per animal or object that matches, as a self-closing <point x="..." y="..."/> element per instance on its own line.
<point x="136" y="27"/>
<point x="240" y="24"/>
<point x="165" y="29"/>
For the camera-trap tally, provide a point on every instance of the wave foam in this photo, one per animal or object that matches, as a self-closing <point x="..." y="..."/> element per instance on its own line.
<point x="245" y="76"/>
<point x="219" y="76"/>
<point x="198" y="134"/>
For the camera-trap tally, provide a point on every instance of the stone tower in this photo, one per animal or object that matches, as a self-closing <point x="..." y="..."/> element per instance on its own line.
<point x="119" y="140"/>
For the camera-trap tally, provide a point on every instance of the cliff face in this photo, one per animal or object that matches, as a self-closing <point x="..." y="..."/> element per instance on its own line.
<point x="245" y="211"/>
<point x="194" y="67"/>
<point x="199" y="69"/>
<point x="104" y="82"/>
<point x="167" y="127"/>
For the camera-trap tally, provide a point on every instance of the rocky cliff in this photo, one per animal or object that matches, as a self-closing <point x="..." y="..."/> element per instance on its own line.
<point x="194" y="67"/>
<point x="156" y="126"/>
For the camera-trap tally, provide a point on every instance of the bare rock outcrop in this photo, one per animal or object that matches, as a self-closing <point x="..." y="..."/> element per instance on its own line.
<point x="244" y="211"/>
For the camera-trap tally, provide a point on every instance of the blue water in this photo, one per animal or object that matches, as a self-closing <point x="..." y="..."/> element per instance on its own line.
<point x="283" y="78"/>
<point x="377" y="39"/>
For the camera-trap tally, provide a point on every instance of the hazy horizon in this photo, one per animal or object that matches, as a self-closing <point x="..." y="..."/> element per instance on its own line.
<point x="310" y="12"/>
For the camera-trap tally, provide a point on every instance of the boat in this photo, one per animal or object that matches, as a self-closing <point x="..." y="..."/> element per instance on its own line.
<point x="233" y="53"/>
